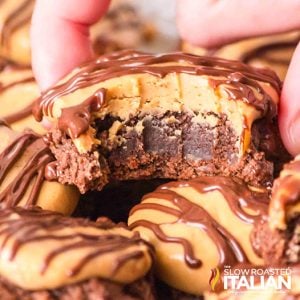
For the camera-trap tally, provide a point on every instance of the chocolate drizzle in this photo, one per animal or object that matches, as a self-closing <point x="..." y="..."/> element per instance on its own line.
<point x="239" y="199"/>
<point x="20" y="227"/>
<point x="237" y="76"/>
<point x="75" y="120"/>
<point x="31" y="173"/>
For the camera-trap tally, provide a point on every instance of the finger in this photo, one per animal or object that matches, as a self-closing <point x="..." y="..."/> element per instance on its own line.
<point x="289" y="119"/>
<point x="60" y="36"/>
<point x="211" y="23"/>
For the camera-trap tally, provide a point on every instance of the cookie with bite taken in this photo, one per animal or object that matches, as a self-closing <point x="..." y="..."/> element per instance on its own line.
<point x="132" y="115"/>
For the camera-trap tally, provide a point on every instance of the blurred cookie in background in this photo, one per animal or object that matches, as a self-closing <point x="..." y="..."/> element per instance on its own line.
<point x="18" y="91"/>
<point x="274" y="52"/>
<point x="122" y="27"/>
<point x="15" y="16"/>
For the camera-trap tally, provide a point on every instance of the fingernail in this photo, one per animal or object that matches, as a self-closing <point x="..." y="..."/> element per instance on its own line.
<point x="294" y="136"/>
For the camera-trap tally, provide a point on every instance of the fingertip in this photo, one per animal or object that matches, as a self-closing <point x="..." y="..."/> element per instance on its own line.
<point x="60" y="37"/>
<point x="289" y="110"/>
<point x="191" y="18"/>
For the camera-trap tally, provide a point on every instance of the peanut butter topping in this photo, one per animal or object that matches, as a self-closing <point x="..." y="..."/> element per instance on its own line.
<point x="137" y="83"/>
<point x="285" y="200"/>
<point x="23" y="160"/>
<point x="198" y="225"/>
<point x="44" y="250"/>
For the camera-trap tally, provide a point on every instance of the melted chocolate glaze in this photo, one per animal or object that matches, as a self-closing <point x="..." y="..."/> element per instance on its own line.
<point x="238" y="197"/>
<point x="31" y="173"/>
<point x="35" y="224"/>
<point x="236" y="75"/>
<point x="75" y="120"/>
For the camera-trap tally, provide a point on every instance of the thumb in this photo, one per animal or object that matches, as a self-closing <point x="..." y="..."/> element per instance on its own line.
<point x="60" y="36"/>
<point x="289" y="114"/>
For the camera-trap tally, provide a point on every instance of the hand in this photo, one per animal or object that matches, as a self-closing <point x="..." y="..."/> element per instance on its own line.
<point x="60" y="36"/>
<point x="60" y="39"/>
<point x="211" y="23"/>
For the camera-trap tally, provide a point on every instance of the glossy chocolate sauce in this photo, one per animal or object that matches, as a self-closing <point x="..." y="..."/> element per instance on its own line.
<point x="239" y="199"/>
<point x="241" y="79"/>
<point x="75" y="120"/>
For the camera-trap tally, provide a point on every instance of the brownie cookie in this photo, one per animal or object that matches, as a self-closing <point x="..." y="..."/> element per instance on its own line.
<point x="73" y="258"/>
<point x="278" y="240"/>
<point x="18" y="91"/>
<point x="132" y="115"/>
<point x="273" y="51"/>
<point x="23" y="160"/>
<point x="198" y="225"/>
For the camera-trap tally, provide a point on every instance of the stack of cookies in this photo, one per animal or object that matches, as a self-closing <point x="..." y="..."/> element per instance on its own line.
<point x="157" y="174"/>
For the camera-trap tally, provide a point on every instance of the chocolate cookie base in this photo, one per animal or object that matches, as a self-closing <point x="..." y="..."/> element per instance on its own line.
<point x="93" y="289"/>
<point x="278" y="247"/>
<point x="169" y="146"/>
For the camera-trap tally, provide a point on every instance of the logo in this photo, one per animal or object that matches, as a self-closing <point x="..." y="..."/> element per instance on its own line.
<point x="214" y="278"/>
<point x="251" y="279"/>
